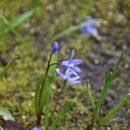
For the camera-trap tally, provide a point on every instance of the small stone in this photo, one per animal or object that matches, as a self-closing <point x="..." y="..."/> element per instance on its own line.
<point x="33" y="94"/>
<point x="23" y="117"/>
<point x="96" y="62"/>
<point x="126" y="65"/>
<point x="124" y="47"/>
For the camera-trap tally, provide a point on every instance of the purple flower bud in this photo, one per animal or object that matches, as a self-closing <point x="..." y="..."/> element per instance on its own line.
<point x="37" y="128"/>
<point x="55" y="47"/>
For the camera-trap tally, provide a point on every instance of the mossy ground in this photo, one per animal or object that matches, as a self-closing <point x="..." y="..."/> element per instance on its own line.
<point x="99" y="56"/>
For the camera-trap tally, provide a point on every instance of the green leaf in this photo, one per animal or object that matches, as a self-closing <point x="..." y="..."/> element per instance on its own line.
<point x="61" y="115"/>
<point x="47" y="82"/>
<point x="108" y="80"/>
<point x="18" y="36"/>
<point x="115" y="109"/>
<point x="48" y="90"/>
<point x="37" y="91"/>
<point x="53" y="64"/>
<point x="10" y="64"/>
<point x="89" y="93"/>
<point x="103" y="93"/>
<point x="40" y="93"/>
<point x="72" y="29"/>
<point x="6" y="114"/>
<point x="16" y="21"/>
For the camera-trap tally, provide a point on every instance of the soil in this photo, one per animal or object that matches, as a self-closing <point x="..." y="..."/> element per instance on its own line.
<point x="12" y="125"/>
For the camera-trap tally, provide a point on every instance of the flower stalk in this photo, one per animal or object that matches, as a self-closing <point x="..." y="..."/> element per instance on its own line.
<point x="49" y="64"/>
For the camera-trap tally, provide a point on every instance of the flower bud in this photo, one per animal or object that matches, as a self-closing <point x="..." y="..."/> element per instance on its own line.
<point x="55" y="47"/>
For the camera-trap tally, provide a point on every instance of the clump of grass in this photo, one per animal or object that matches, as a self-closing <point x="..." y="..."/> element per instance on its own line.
<point x="96" y="117"/>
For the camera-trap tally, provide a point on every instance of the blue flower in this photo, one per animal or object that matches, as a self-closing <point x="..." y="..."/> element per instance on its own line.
<point x="69" y="76"/>
<point x="71" y="64"/>
<point x="37" y="128"/>
<point x="89" y="28"/>
<point x="72" y="71"/>
<point x="55" y="47"/>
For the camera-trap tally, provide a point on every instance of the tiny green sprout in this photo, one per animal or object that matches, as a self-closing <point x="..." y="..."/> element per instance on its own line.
<point x="89" y="93"/>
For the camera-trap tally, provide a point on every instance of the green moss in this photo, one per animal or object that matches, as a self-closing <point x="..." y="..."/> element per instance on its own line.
<point x="18" y="85"/>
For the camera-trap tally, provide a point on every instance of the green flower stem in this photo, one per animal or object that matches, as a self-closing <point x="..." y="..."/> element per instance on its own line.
<point x="39" y="114"/>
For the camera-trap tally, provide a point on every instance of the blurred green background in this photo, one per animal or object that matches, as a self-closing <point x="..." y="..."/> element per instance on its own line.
<point x="32" y="40"/>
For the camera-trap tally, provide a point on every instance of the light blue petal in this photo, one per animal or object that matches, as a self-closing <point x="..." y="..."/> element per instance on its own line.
<point x="75" y="82"/>
<point x="83" y="29"/>
<point x="75" y="61"/>
<point x="93" y="31"/>
<point x="77" y="69"/>
<point x="89" y="19"/>
<point x="64" y="63"/>
<point x="74" y="78"/>
<point x="73" y="72"/>
<point x="72" y="55"/>
<point x="60" y="73"/>
<point x="68" y="73"/>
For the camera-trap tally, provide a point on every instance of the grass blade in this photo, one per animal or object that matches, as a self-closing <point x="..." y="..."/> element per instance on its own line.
<point x="40" y="93"/>
<point x="48" y="88"/>
<point x="10" y="64"/>
<point x="103" y="93"/>
<point x="37" y="90"/>
<point x="71" y="30"/>
<point x="47" y="82"/>
<point x="107" y="84"/>
<point x="89" y="93"/>
<point x="16" y="21"/>
<point x="18" y="36"/>
<point x="115" y="109"/>
<point x="61" y="115"/>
